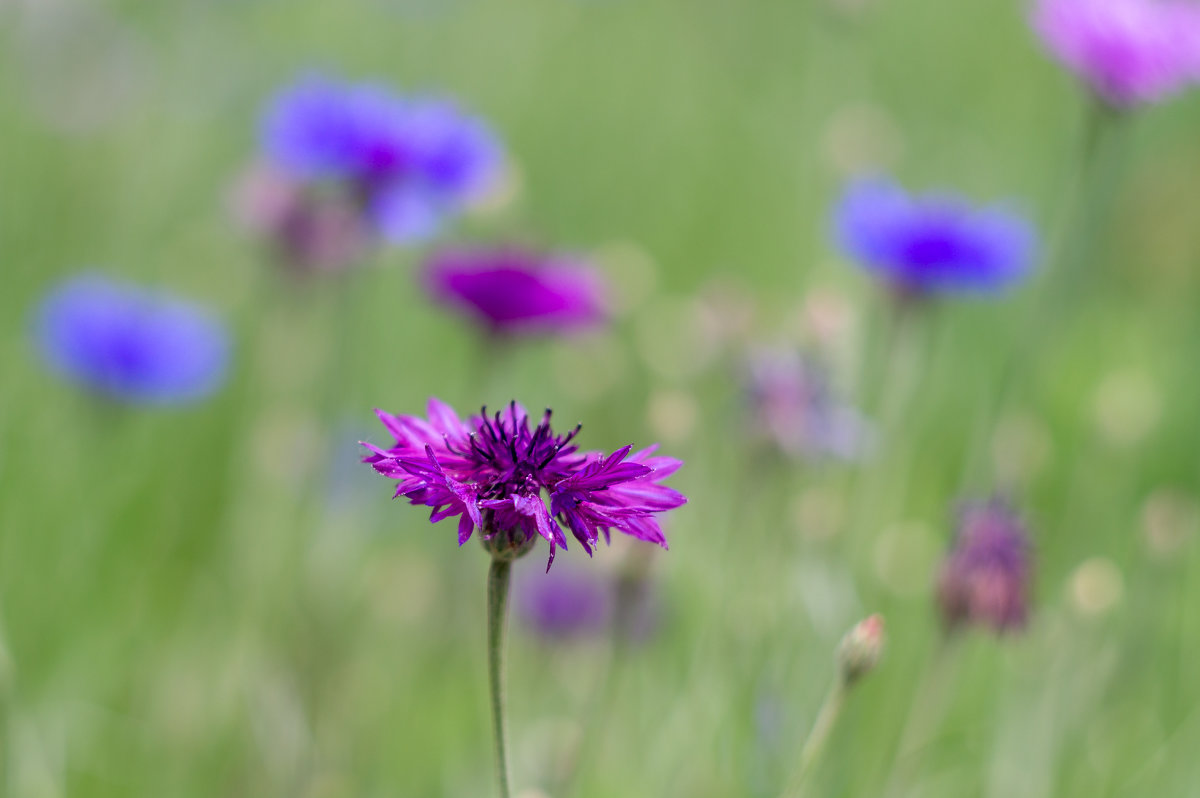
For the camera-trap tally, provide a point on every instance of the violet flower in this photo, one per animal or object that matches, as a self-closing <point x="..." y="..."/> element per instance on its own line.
<point x="1129" y="52"/>
<point x="130" y="343"/>
<point x="985" y="580"/>
<point x="791" y="404"/>
<point x="927" y="244"/>
<point x="411" y="163"/>
<point x="564" y="603"/>
<point x="570" y="602"/>
<point x="513" y="291"/>
<point x="517" y="483"/>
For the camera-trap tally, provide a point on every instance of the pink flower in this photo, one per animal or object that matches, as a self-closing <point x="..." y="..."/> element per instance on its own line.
<point x="1130" y="52"/>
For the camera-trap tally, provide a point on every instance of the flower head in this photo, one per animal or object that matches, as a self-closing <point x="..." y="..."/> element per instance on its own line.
<point x="792" y="405"/>
<point x="131" y="343"/>
<point x="1129" y="51"/>
<point x="411" y="163"/>
<point x="932" y="243"/>
<point x="515" y="291"/>
<point x="985" y="578"/>
<point x="516" y="481"/>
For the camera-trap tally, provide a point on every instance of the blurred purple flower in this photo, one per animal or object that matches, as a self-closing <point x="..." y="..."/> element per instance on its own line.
<point x="792" y="405"/>
<point x="411" y="163"/>
<point x="564" y="603"/>
<point x="131" y="343"/>
<point x="572" y="602"/>
<point x="921" y="245"/>
<point x="985" y="579"/>
<point x="1129" y="51"/>
<point x="311" y="231"/>
<point x="515" y="291"/>
<point x="496" y="473"/>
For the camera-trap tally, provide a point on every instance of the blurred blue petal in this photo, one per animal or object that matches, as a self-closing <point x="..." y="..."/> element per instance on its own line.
<point x="130" y="343"/>
<point x="406" y="214"/>
<point x="931" y="243"/>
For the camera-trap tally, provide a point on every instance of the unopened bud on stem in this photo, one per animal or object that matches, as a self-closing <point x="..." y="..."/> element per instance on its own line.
<point x="860" y="649"/>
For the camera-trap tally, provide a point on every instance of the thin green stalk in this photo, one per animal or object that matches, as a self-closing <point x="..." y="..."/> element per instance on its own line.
<point x="814" y="746"/>
<point x="7" y="693"/>
<point x="342" y="329"/>
<point x="1093" y="182"/>
<point x="925" y="715"/>
<point x="497" y="592"/>
<point x="595" y="717"/>
<point x="626" y="599"/>
<point x="1085" y="226"/>
<point x="903" y="360"/>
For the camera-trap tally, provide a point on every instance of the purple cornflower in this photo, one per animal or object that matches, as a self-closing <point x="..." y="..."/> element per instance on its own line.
<point x="926" y="244"/>
<point x="409" y="162"/>
<point x="985" y="578"/>
<point x="1129" y="52"/>
<point x="792" y="406"/>
<point x="564" y="603"/>
<point x="516" y="482"/>
<point x="131" y="343"/>
<point x="511" y="290"/>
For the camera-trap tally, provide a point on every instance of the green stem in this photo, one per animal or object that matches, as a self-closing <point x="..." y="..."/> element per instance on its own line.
<point x="341" y="329"/>
<point x="926" y="713"/>
<point x="1096" y="183"/>
<point x="903" y="360"/>
<point x="814" y="746"/>
<point x="7" y="695"/>
<point x="1092" y="184"/>
<point x="497" y="592"/>
<point x="592" y="728"/>
<point x="628" y="595"/>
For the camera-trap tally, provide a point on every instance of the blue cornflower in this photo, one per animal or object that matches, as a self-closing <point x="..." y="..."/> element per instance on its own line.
<point x="130" y="343"/>
<point x="410" y="162"/>
<point x="939" y="242"/>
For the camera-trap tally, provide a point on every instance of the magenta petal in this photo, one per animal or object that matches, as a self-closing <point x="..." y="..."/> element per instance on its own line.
<point x="465" y="527"/>
<point x="515" y="291"/>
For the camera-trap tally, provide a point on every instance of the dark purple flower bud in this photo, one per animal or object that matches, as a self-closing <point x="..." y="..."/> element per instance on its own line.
<point x="517" y="482"/>
<point x="514" y="291"/>
<point x="130" y="343"/>
<point x="928" y="244"/>
<point x="1130" y="52"/>
<point x="792" y="405"/>
<point x="311" y="231"/>
<point x="985" y="579"/>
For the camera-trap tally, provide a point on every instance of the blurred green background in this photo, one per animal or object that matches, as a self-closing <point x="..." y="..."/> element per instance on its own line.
<point x="186" y="611"/>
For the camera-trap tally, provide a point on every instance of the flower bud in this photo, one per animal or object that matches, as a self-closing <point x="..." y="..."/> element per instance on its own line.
<point x="985" y="579"/>
<point x="860" y="649"/>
